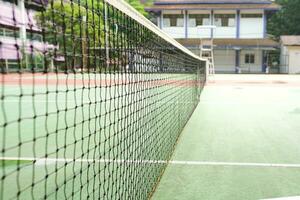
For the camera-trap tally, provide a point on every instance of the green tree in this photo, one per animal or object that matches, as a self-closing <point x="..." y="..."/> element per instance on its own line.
<point x="78" y="29"/>
<point x="138" y="6"/>
<point x="286" y="21"/>
<point x="147" y="2"/>
<point x="74" y="29"/>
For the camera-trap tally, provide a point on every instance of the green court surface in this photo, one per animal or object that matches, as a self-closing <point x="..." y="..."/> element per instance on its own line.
<point x="242" y="142"/>
<point x="85" y="136"/>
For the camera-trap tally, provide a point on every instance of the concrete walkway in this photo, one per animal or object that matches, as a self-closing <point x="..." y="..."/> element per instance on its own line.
<point x="242" y="142"/>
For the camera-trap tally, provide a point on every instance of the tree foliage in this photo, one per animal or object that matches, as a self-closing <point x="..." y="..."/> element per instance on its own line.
<point x="78" y="28"/>
<point x="286" y="21"/>
<point x="138" y="6"/>
<point x="71" y="18"/>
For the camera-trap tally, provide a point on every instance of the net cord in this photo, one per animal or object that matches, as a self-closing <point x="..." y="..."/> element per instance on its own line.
<point x="131" y="12"/>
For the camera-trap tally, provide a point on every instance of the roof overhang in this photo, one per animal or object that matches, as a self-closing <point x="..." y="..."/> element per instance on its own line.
<point x="234" y="44"/>
<point x="290" y="40"/>
<point x="267" y="7"/>
<point x="172" y="2"/>
<point x="294" y="45"/>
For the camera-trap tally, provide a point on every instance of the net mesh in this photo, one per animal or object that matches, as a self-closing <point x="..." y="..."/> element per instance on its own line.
<point x="93" y="100"/>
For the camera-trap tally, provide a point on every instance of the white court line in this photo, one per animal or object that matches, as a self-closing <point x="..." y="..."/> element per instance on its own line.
<point x="46" y="101"/>
<point x="191" y="163"/>
<point x="70" y="101"/>
<point x="239" y="164"/>
<point x="285" y="198"/>
<point x="206" y="102"/>
<point x="40" y="161"/>
<point x="201" y="102"/>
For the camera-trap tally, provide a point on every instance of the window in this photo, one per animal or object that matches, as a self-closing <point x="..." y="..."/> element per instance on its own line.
<point x="11" y="33"/>
<point x="173" y="20"/>
<point x="13" y="64"/>
<point x="252" y="15"/>
<point x="12" y="1"/>
<point x="7" y="32"/>
<point x="225" y="20"/>
<point x="35" y="61"/>
<point x="249" y="59"/>
<point x="35" y="5"/>
<point x="9" y="65"/>
<point x="34" y="36"/>
<point x="199" y="20"/>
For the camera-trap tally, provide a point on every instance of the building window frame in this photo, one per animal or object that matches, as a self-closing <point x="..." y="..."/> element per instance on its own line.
<point x="225" y="20"/>
<point x="249" y="58"/>
<point x="175" y="20"/>
<point x="9" y="32"/>
<point x="251" y="15"/>
<point x="11" y="1"/>
<point x="35" y="61"/>
<point x="9" y="65"/>
<point x="32" y="36"/>
<point x="200" y="20"/>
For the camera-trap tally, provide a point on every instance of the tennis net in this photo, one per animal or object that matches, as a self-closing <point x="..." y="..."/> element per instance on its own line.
<point x="93" y="100"/>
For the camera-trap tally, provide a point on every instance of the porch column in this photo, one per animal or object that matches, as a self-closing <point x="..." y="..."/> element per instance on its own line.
<point x="212" y="23"/>
<point x="237" y="61"/>
<point x="159" y="20"/>
<point x="238" y="23"/>
<point x="23" y="32"/>
<point x="264" y="62"/>
<point x="6" y="66"/>
<point x="186" y="24"/>
<point x="23" y="20"/>
<point x="265" y="24"/>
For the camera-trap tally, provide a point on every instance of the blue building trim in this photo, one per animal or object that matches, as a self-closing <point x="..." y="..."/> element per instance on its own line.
<point x="265" y="24"/>
<point x="186" y="23"/>
<point x="237" y="60"/>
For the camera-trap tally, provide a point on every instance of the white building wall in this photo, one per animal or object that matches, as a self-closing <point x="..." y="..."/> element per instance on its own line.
<point x="284" y="60"/>
<point x="252" y="27"/>
<point x="199" y="33"/>
<point x="175" y="32"/>
<point x="251" y="68"/>
<point x="224" y="61"/>
<point x="195" y="32"/>
<point x="294" y="61"/>
<point x="225" y="32"/>
<point x="249" y="27"/>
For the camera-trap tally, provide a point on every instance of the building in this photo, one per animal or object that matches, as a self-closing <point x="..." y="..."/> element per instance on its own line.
<point x="290" y="53"/>
<point x="241" y="42"/>
<point x="21" y="41"/>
